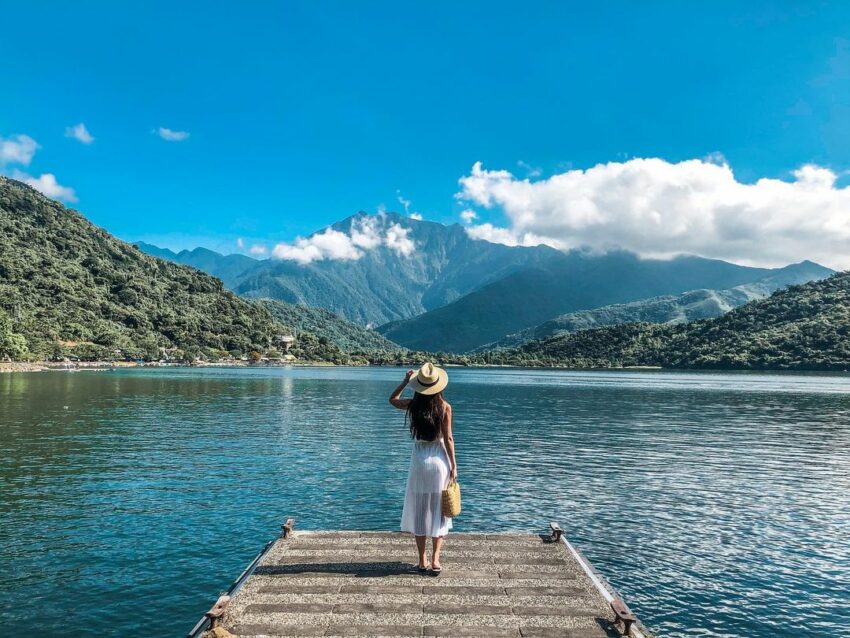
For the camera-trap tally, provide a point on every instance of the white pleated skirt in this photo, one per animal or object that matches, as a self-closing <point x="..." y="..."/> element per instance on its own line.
<point x="428" y="476"/>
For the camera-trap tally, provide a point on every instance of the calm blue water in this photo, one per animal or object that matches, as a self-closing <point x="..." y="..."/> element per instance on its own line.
<point x="719" y="505"/>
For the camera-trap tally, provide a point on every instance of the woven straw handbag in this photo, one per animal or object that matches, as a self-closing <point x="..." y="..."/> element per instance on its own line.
<point x="451" y="499"/>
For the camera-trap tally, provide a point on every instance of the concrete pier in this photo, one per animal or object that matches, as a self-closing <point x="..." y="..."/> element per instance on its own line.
<point x="367" y="584"/>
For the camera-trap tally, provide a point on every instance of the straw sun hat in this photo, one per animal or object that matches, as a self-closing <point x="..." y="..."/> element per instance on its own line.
<point x="429" y="379"/>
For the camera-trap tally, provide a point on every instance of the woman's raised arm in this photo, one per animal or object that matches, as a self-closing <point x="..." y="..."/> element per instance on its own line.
<point x="395" y="397"/>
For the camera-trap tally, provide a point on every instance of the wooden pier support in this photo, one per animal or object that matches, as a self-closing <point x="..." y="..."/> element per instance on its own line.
<point x="217" y="610"/>
<point x="623" y="614"/>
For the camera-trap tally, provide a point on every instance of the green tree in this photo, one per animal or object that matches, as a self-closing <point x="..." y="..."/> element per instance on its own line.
<point x="12" y="345"/>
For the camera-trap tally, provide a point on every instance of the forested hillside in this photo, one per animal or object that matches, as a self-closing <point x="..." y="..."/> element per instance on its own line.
<point x="805" y="327"/>
<point x="346" y="335"/>
<point x="68" y="287"/>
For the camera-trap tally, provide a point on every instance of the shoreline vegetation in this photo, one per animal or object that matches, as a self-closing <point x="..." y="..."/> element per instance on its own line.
<point x="72" y="296"/>
<point x="61" y="366"/>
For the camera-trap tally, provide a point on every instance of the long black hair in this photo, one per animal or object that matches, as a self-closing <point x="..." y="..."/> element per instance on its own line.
<point x="426" y="414"/>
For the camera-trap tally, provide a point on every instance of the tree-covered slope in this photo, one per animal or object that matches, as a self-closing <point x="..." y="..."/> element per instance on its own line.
<point x="689" y="306"/>
<point x="805" y="327"/>
<point x="69" y="287"/>
<point x="346" y="335"/>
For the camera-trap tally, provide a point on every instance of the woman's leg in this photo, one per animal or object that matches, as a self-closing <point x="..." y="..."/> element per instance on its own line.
<point x="437" y="543"/>
<point x="421" y="542"/>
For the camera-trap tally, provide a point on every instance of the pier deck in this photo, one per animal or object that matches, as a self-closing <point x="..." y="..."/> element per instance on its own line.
<point x="366" y="584"/>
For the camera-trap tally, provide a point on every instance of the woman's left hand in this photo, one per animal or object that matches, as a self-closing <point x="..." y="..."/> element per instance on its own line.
<point x="453" y="474"/>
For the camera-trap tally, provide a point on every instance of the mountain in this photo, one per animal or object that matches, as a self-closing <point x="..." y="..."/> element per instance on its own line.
<point x="689" y="306"/>
<point x="449" y="292"/>
<point x="346" y="335"/>
<point x="228" y="268"/>
<point x="69" y="287"/>
<point x="804" y="327"/>
<point x="386" y="283"/>
<point x="571" y="282"/>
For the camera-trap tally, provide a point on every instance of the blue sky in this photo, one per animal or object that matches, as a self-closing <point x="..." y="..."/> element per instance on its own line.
<point x="301" y="113"/>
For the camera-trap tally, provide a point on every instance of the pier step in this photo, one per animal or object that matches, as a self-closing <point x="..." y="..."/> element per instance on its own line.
<point x="448" y="558"/>
<point x="366" y="584"/>
<point x="381" y="631"/>
<point x="428" y="590"/>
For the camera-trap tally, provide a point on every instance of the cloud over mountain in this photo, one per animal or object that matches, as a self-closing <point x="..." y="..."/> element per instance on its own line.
<point x="20" y="149"/>
<point x="47" y="184"/>
<point x="17" y="149"/>
<point x="658" y="208"/>
<point x="366" y="233"/>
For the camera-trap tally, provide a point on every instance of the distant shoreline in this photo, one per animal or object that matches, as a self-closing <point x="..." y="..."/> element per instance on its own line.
<point x="24" y="366"/>
<point x="47" y="366"/>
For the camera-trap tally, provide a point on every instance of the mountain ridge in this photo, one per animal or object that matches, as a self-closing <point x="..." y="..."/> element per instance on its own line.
<point x="458" y="294"/>
<point x="381" y="285"/>
<point x="575" y="281"/>
<point x="689" y="306"/>
<point x="225" y="267"/>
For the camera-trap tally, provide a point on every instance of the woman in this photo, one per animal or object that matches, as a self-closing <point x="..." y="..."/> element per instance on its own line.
<point x="429" y="416"/>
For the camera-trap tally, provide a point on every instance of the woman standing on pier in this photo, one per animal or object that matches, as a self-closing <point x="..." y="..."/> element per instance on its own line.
<point x="433" y="462"/>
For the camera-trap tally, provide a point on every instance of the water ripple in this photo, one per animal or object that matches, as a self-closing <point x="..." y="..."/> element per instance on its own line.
<point x="718" y="504"/>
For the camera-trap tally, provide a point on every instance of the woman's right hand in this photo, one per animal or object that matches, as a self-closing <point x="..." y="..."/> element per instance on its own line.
<point x="409" y="375"/>
<point x="453" y="474"/>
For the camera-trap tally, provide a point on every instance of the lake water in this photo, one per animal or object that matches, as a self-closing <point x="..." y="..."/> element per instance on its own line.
<point x="719" y="505"/>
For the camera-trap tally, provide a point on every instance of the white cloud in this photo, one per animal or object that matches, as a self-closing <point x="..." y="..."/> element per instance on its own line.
<point x="46" y="184"/>
<point x="80" y="133"/>
<point x="407" y="203"/>
<point x="468" y="216"/>
<point x="530" y="171"/>
<point x="397" y="239"/>
<point x="506" y="236"/>
<point x="367" y="233"/>
<point x="240" y="243"/>
<point x="329" y="244"/>
<point x="659" y="209"/>
<point x="171" y="136"/>
<point x="491" y="233"/>
<point x="258" y="250"/>
<point x="17" y="149"/>
<point x="20" y="149"/>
